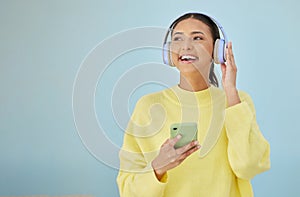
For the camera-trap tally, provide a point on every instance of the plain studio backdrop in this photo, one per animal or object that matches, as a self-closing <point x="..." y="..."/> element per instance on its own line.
<point x="44" y="43"/>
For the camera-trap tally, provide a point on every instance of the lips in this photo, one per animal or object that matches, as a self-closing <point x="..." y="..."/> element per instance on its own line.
<point x="187" y="58"/>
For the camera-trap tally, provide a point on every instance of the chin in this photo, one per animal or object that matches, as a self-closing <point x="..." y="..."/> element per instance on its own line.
<point x="190" y="68"/>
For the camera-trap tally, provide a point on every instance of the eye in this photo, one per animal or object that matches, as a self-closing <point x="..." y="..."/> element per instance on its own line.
<point x="177" y="38"/>
<point x="198" y="38"/>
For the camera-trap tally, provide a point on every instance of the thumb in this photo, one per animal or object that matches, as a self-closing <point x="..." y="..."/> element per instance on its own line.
<point x="174" y="140"/>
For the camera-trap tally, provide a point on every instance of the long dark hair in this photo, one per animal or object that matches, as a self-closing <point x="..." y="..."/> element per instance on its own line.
<point x="214" y="30"/>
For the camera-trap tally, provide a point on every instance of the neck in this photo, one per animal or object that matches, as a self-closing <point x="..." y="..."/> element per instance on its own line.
<point x="193" y="83"/>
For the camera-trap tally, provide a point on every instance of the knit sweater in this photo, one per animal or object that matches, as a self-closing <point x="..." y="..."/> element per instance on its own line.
<point x="233" y="149"/>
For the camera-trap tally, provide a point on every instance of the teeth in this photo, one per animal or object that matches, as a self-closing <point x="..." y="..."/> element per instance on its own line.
<point x="188" y="57"/>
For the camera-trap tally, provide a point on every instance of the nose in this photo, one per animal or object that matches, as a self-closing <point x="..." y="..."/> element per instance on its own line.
<point x="187" y="44"/>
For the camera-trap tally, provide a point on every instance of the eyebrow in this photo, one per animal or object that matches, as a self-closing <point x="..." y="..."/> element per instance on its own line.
<point x="192" y="33"/>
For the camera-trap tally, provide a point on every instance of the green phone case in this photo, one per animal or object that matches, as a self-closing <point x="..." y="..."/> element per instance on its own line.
<point x="188" y="131"/>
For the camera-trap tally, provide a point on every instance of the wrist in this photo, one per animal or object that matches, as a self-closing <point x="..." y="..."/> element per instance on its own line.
<point x="232" y="96"/>
<point x="159" y="172"/>
<point x="231" y="89"/>
<point x="159" y="175"/>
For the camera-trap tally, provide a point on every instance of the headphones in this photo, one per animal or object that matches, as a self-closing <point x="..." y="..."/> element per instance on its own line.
<point x="219" y="47"/>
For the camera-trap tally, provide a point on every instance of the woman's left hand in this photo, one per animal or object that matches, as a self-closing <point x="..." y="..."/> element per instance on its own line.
<point x="229" y="72"/>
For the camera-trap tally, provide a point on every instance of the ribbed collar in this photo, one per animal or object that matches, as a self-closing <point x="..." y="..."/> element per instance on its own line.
<point x="189" y="98"/>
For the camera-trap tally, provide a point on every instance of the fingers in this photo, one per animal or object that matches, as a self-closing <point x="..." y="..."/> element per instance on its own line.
<point x="176" y="153"/>
<point x="169" y="157"/>
<point x="187" y="147"/>
<point x="229" y="53"/>
<point x="188" y="153"/>
<point x="229" y="56"/>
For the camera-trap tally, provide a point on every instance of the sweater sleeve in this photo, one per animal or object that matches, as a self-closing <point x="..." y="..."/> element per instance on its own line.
<point x="136" y="176"/>
<point x="248" y="150"/>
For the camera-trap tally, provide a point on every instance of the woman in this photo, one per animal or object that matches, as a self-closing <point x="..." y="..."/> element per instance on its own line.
<point x="231" y="149"/>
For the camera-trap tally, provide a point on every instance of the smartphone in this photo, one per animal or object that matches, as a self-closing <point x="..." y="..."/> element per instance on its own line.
<point x="188" y="131"/>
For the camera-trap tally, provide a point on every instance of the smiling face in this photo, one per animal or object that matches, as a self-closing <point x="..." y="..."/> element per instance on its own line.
<point x="192" y="47"/>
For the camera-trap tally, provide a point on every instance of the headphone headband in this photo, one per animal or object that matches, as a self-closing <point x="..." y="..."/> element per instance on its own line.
<point x="199" y="13"/>
<point x="220" y="27"/>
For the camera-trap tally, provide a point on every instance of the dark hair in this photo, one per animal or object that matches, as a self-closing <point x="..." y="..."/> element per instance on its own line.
<point x="214" y="30"/>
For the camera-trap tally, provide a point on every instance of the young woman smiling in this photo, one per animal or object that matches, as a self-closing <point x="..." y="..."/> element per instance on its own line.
<point x="231" y="148"/>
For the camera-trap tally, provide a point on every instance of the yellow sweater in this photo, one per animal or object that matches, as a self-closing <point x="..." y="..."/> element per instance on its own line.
<point x="233" y="150"/>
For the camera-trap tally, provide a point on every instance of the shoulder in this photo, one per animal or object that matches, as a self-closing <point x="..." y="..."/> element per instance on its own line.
<point x="141" y="111"/>
<point x="151" y="98"/>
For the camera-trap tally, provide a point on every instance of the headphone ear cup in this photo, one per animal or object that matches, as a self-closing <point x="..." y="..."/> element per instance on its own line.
<point x="219" y="51"/>
<point x="166" y="53"/>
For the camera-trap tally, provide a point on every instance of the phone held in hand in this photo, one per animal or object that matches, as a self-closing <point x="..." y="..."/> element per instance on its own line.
<point x="187" y="130"/>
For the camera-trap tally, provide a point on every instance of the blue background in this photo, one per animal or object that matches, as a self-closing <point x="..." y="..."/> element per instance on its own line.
<point x="43" y="43"/>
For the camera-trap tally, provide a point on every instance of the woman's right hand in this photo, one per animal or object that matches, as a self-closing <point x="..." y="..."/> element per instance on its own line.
<point x="169" y="157"/>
